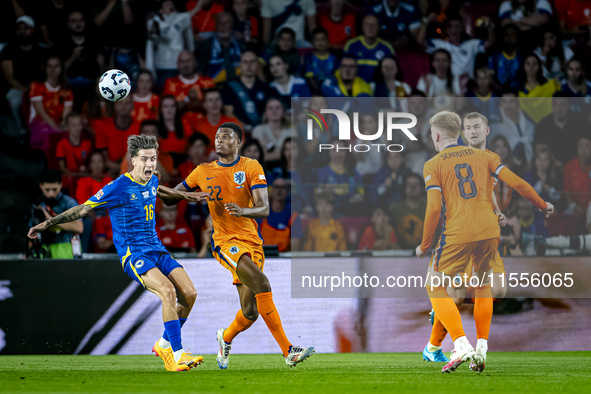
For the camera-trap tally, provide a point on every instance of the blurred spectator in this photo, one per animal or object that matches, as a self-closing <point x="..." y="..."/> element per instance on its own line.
<point x="102" y="235"/>
<point x="399" y="22"/>
<point x="462" y="51"/>
<point x="246" y="27"/>
<point x="51" y="102"/>
<point x="253" y="150"/>
<point x="145" y="103"/>
<point x="320" y="64"/>
<point x="209" y="123"/>
<point x="127" y="59"/>
<point x="96" y="179"/>
<point x="319" y="135"/>
<point x="245" y="97"/>
<point x="21" y="62"/>
<point x="560" y="131"/>
<point x="52" y="18"/>
<point x="169" y="33"/>
<point x="380" y="234"/>
<point x="575" y="84"/>
<point x="441" y="82"/>
<point x="388" y="182"/>
<point x="368" y="49"/>
<point x="281" y="227"/>
<point x="545" y="177"/>
<point x="285" y="46"/>
<point x="553" y="53"/>
<point x="295" y="14"/>
<point x="338" y="19"/>
<point x="369" y="162"/>
<point x="528" y="15"/>
<point x="274" y="129"/>
<point x="165" y="162"/>
<point x="527" y="223"/>
<point x="288" y="87"/>
<point x="573" y="17"/>
<point x="503" y="192"/>
<point x="188" y="86"/>
<point x="204" y="18"/>
<point x="96" y="107"/>
<point x="73" y="152"/>
<point x="507" y="62"/>
<point x="340" y="179"/>
<point x="482" y="94"/>
<point x="516" y="127"/>
<point x="197" y="152"/>
<point x="345" y="82"/>
<point x="577" y="179"/>
<point x="173" y="134"/>
<point x="57" y="241"/>
<point x="389" y="82"/>
<point x="79" y="51"/>
<point x="324" y="234"/>
<point x="409" y="214"/>
<point x="114" y="19"/>
<point x="416" y="153"/>
<point x="175" y="235"/>
<point x="111" y="133"/>
<point x="221" y="51"/>
<point x="533" y="84"/>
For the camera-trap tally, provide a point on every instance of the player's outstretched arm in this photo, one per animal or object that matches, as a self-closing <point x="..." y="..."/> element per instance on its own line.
<point x="68" y="216"/>
<point x="500" y="215"/>
<point x="431" y="221"/>
<point x="525" y="189"/>
<point x="260" y="209"/>
<point x="173" y="196"/>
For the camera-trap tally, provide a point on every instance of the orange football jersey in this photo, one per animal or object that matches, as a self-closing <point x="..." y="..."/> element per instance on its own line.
<point x="145" y="108"/>
<point x="195" y="122"/>
<point x="53" y="99"/>
<point x="463" y="175"/>
<point x="229" y="183"/>
<point x="179" y="87"/>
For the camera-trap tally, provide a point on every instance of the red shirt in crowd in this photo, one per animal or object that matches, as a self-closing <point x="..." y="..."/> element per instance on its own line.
<point x="179" y="87"/>
<point x="338" y="32"/>
<point x="577" y="181"/>
<point x="54" y="100"/>
<point x="204" y="20"/>
<point x="172" y="144"/>
<point x="180" y="238"/>
<point x="369" y="238"/>
<point x="88" y="187"/>
<point x="110" y="138"/>
<point x="196" y="122"/>
<point x="573" y="12"/>
<point x="145" y="108"/>
<point x="75" y="156"/>
<point x="101" y="228"/>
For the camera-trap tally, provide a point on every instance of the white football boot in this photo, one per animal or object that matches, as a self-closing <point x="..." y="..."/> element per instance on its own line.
<point x="477" y="363"/>
<point x="223" y="357"/>
<point x="462" y="352"/>
<point x="298" y="354"/>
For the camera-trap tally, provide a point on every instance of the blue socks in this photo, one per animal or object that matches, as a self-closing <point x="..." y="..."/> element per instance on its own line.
<point x="173" y="331"/>
<point x="165" y="335"/>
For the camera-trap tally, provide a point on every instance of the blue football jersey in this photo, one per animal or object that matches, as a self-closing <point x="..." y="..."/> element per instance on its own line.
<point x="368" y="56"/>
<point x="132" y="208"/>
<point x="320" y="68"/>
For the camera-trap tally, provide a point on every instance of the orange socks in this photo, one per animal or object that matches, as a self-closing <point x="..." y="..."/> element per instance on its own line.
<point x="447" y="311"/>
<point x="438" y="332"/>
<point x="483" y="308"/>
<point x="239" y="324"/>
<point x="269" y="313"/>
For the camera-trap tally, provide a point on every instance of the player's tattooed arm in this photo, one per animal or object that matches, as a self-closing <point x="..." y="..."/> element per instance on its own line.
<point x="173" y="196"/>
<point x="260" y="209"/>
<point x="65" y="217"/>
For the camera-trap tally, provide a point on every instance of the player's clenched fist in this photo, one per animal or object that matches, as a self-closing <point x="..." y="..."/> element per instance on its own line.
<point x="234" y="209"/>
<point x="420" y="253"/>
<point x="37" y="229"/>
<point x="549" y="209"/>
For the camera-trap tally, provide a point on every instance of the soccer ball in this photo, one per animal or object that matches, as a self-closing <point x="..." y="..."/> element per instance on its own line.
<point x="114" y="85"/>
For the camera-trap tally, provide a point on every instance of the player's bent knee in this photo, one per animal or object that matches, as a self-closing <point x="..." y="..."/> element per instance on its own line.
<point x="168" y="293"/>
<point x="190" y="296"/>
<point x="250" y="313"/>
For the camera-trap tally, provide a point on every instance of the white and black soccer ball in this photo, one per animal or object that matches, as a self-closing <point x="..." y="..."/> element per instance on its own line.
<point x="114" y="85"/>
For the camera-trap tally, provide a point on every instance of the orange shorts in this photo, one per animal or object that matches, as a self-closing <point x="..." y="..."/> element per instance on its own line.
<point x="229" y="253"/>
<point x="499" y="267"/>
<point x="454" y="259"/>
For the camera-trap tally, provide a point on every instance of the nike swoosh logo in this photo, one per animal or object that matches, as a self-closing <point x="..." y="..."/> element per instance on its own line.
<point x="270" y="312"/>
<point x="210" y="178"/>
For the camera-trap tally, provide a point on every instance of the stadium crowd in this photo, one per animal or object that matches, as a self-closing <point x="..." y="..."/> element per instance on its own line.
<point x="197" y="64"/>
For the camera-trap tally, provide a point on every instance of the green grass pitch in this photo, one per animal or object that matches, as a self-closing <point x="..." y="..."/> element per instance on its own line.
<point x="519" y="372"/>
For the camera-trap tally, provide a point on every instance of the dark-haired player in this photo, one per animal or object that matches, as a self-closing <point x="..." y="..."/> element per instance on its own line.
<point x="131" y="200"/>
<point x="237" y="196"/>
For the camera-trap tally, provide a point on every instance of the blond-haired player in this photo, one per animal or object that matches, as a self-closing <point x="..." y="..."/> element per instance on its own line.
<point x="461" y="176"/>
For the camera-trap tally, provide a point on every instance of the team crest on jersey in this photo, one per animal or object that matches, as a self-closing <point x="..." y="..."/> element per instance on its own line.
<point x="139" y="264"/>
<point x="99" y="194"/>
<point x="146" y="194"/>
<point x="234" y="250"/>
<point x="154" y="190"/>
<point x="239" y="177"/>
<point x="132" y="197"/>
<point x="379" y="55"/>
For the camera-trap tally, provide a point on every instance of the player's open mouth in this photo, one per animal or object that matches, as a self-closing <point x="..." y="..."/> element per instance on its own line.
<point x="148" y="173"/>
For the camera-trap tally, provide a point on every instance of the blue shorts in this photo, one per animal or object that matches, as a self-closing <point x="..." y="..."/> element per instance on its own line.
<point x="139" y="263"/>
